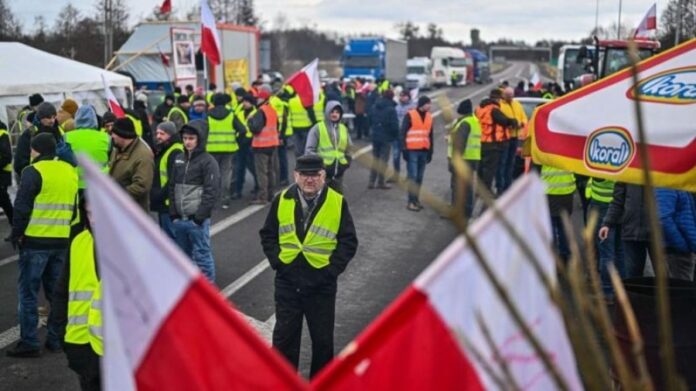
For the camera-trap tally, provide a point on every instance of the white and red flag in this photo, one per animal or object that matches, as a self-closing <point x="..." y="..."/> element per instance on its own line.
<point x="210" y="39"/>
<point x="418" y="342"/>
<point x="536" y="82"/>
<point x="166" y="7"/>
<point x="114" y="106"/>
<point x="648" y="23"/>
<point x="165" y="326"/>
<point x="306" y="83"/>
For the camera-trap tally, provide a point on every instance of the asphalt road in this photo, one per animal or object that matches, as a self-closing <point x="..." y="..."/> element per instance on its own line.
<point x="395" y="246"/>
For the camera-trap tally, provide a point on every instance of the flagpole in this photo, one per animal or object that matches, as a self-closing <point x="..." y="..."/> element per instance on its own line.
<point x="596" y="18"/>
<point x="618" y="26"/>
<point x="205" y="75"/>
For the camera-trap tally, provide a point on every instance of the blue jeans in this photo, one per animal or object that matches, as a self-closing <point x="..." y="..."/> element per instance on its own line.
<point x="38" y="267"/>
<point x="300" y="141"/>
<point x="194" y="240"/>
<point x="396" y="156"/>
<point x="609" y="251"/>
<point x="560" y="241"/>
<point x="244" y="162"/>
<point x="165" y="222"/>
<point x="416" y="168"/>
<point x="503" y="177"/>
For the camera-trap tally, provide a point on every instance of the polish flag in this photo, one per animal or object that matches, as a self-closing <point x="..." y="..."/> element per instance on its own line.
<point x="536" y="82"/>
<point x="648" y="23"/>
<point x="114" y="106"/>
<point x="427" y="339"/>
<point x="306" y="83"/>
<point x="210" y="41"/>
<point x="166" y="7"/>
<point x="165" y="326"/>
<point x="414" y="94"/>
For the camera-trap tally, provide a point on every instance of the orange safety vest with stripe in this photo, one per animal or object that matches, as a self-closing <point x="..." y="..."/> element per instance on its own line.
<point x="269" y="136"/>
<point x="418" y="135"/>
<point x="490" y="131"/>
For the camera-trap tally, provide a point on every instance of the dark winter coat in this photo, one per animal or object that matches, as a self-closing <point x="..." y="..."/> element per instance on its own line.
<point x="677" y="214"/>
<point x="22" y="157"/>
<point x="5" y="158"/>
<point x="385" y="123"/>
<point x="133" y="168"/>
<point x="627" y="209"/>
<point x="159" y="194"/>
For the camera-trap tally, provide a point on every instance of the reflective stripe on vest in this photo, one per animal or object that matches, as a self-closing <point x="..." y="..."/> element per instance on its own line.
<point x="94" y="144"/>
<point x="8" y="166"/>
<point x="299" y="118"/>
<point x="163" y="175"/>
<point x="330" y="151"/>
<point x="94" y="323"/>
<point x="418" y="136"/>
<point x="244" y="119"/>
<point x="472" y="151"/>
<point x="558" y="182"/>
<point x="319" y="107"/>
<point x="490" y="131"/>
<point x="268" y="137"/>
<point x="137" y="124"/>
<point x="320" y="240"/>
<point x="53" y="206"/>
<point x="178" y="110"/>
<point x="81" y="289"/>
<point x="600" y="190"/>
<point x="222" y="136"/>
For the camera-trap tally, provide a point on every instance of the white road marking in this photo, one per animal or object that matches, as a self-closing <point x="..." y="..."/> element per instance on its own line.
<point x="239" y="283"/>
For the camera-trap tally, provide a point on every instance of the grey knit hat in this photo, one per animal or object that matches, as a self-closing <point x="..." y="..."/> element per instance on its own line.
<point x="168" y="127"/>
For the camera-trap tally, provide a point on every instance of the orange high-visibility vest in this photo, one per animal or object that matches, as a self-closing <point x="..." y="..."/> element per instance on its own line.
<point x="268" y="137"/>
<point x="490" y="131"/>
<point x="418" y="136"/>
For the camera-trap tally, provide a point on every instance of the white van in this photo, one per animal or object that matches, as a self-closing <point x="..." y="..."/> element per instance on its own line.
<point x="448" y="61"/>
<point x="419" y="73"/>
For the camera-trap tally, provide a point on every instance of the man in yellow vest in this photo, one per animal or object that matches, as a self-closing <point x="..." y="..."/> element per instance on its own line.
<point x="44" y="207"/>
<point x="330" y="140"/>
<point x="179" y="113"/>
<point x="301" y="119"/>
<point x="167" y="150"/>
<point x="309" y="238"/>
<point x="245" y="155"/>
<point x="560" y="186"/>
<point x="279" y="102"/>
<point x="511" y="108"/>
<point x="78" y="296"/>
<point x="6" y="173"/>
<point x="222" y="143"/>
<point x="465" y="141"/>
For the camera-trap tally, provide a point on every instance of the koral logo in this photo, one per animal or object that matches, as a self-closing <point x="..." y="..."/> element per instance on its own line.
<point x="609" y="149"/>
<point x="675" y="86"/>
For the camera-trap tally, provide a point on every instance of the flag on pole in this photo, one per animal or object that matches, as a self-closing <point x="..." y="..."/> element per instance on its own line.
<point x="164" y="58"/>
<point x="536" y="82"/>
<point x="165" y="326"/>
<point x="430" y="338"/>
<point x="114" y="106"/>
<point x="306" y="83"/>
<point x="210" y="41"/>
<point x="166" y="7"/>
<point x="648" y="23"/>
<point x="414" y="94"/>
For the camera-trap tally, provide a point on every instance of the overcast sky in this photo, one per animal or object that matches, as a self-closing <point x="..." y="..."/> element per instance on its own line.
<point x="529" y="20"/>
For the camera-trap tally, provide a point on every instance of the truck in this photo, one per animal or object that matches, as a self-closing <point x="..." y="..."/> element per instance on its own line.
<point x="449" y="66"/>
<point x="375" y="58"/>
<point x="419" y="73"/>
<point x="481" y="66"/>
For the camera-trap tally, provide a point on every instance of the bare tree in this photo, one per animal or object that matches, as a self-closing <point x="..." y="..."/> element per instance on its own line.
<point x="407" y="30"/>
<point x="9" y="27"/>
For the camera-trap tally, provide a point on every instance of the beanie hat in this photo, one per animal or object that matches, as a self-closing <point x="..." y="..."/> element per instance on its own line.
<point x="35" y="100"/>
<point x="108" y="118"/>
<point x="70" y="106"/>
<point x="249" y="98"/>
<point x="168" y="127"/>
<point x="219" y="99"/>
<point x="45" y="110"/>
<point x="44" y="143"/>
<point x="465" y="107"/>
<point x="182" y="99"/>
<point x="169" y="97"/>
<point x="423" y="100"/>
<point x="240" y="92"/>
<point x="124" y="128"/>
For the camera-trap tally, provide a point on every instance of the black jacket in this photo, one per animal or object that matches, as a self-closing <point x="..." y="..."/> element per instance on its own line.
<point x="29" y="188"/>
<point x="385" y="123"/>
<point x="627" y="209"/>
<point x="158" y="194"/>
<point x="161" y="112"/>
<point x="5" y="158"/>
<point x="194" y="185"/>
<point x="22" y="156"/>
<point x="300" y="273"/>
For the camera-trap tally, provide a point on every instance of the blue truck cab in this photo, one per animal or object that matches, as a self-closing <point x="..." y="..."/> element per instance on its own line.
<point x="375" y="58"/>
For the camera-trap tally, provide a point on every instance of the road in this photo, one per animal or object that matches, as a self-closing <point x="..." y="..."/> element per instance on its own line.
<point x="395" y="246"/>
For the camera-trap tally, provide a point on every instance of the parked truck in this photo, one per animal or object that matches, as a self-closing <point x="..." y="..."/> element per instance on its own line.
<point x="375" y="58"/>
<point x="481" y="66"/>
<point x="449" y="66"/>
<point x="419" y="73"/>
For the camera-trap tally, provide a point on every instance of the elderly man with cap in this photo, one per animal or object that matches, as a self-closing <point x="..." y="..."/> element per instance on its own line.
<point x="417" y="148"/>
<point x="222" y="143"/>
<point x="131" y="164"/>
<point x="330" y="140"/>
<point x="44" y="207"/>
<point x="309" y="238"/>
<point x="168" y="148"/>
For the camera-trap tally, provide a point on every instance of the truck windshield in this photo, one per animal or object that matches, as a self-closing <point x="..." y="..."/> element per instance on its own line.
<point x="416" y="70"/>
<point x="616" y="59"/>
<point x="457" y="62"/>
<point x="361" y="62"/>
<point x="571" y="68"/>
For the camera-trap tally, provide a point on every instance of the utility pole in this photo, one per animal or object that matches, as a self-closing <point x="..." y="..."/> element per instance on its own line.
<point x="618" y="25"/>
<point x="680" y="15"/>
<point x="108" y="30"/>
<point x="596" y="18"/>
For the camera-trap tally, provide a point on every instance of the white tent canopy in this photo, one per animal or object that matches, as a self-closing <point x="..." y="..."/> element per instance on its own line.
<point x="25" y="70"/>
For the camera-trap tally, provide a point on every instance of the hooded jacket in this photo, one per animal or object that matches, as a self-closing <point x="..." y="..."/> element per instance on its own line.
<point x="22" y="156"/>
<point x="87" y="139"/>
<point x="194" y="185"/>
<point x="332" y="127"/>
<point x="86" y="118"/>
<point x="384" y="120"/>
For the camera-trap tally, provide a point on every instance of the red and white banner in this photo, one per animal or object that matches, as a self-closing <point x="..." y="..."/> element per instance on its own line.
<point x="114" y="106"/>
<point x="593" y="131"/>
<point x="210" y="39"/>
<point x="649" y="23"/>
<point x="165" y="326"/>
<point x="418" y="342"/>
<point x="306" y="83"/>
